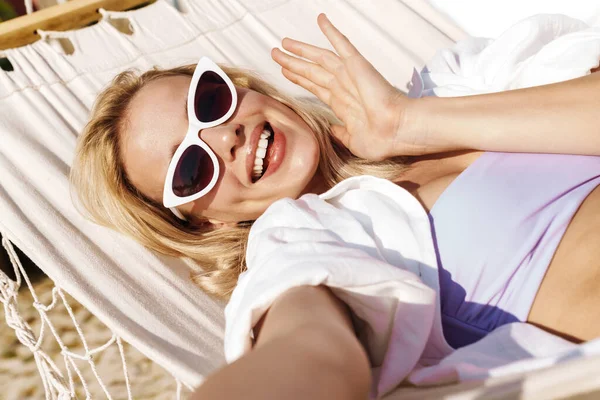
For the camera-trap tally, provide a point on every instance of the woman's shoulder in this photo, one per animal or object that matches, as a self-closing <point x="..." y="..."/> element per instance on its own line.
<point x="363" y="185"/>
<point x="370" y="213"/>
<point x="369" y="195"/>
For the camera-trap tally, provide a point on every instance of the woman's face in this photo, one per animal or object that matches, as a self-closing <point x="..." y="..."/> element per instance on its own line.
<point x="156" y="124"/>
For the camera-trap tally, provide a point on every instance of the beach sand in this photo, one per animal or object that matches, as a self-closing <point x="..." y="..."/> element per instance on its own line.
<point x="19" y="377"/>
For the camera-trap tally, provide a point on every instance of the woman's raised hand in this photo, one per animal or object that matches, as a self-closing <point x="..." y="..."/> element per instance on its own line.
<point x="372" y="110"/>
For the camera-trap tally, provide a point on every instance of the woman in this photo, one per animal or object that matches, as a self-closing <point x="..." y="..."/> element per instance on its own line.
<point x="424" y="145"/>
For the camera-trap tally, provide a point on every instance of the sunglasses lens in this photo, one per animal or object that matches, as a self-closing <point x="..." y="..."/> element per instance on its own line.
<point x="193" y="173"/>
<point x="213" y="97"/>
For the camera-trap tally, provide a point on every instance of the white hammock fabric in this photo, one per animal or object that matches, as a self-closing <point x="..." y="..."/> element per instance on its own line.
<point x="145" y="298"/>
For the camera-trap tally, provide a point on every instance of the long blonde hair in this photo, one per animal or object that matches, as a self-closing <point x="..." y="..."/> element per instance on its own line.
<point x="104" y="190"/>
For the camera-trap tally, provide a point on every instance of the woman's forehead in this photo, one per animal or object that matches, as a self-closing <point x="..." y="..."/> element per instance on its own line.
<point x="157" y="113"/>
<point x="156" y="122"/>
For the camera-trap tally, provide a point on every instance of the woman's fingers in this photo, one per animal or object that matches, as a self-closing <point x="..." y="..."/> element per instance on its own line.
<point x="326" y="58"/>
<point x="340" y="43"/>
<point x="306" y="69"/>
<point x="341" y="104"/>
<point x="322" y="93"/>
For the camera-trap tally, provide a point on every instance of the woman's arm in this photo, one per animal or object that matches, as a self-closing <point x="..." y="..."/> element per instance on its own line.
<point x="558" y="118"/>
<point x="380" y="122"/>
<point x="306" y="349"/>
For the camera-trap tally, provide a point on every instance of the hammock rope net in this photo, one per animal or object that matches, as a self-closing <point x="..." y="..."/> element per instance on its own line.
<point x="57" y="383"/>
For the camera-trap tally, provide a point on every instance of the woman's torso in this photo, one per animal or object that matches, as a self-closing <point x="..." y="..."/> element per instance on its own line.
<point x="570" y="276"/>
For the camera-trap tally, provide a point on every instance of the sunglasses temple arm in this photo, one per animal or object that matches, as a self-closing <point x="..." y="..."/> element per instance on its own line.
<point x="177" y="213"/>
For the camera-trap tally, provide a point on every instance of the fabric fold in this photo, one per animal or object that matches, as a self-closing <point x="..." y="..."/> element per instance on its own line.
<point x="381" y="263"/>
<point x="540" y="50"/>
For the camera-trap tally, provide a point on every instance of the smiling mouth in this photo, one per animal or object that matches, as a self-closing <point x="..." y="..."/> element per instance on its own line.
<point x="263" y="153"/>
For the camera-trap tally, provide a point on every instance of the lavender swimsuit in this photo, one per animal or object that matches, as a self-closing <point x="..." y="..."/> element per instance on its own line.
<point x="496" y="228"/>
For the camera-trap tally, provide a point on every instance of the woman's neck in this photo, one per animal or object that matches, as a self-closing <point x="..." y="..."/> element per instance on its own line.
<point x="317" y="184"/>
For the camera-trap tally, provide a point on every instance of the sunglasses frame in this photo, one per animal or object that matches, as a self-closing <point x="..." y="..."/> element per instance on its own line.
<point x="192" y="137"/>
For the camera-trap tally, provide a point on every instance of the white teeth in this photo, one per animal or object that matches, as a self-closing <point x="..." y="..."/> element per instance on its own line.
<point x="257" y="171"/>
<point x="261" y="152"/>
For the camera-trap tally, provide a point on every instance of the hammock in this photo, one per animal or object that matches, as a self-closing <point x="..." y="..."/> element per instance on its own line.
<point x="147" y="299"/>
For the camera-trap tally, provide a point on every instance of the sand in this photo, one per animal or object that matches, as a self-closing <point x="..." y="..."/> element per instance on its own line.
<point x="19" y="378"/>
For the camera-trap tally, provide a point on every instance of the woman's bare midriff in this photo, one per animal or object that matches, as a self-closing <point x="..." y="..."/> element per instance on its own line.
<point x="568" y="300"/>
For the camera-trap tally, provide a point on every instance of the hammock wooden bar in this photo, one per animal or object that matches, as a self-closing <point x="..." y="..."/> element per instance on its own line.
<point x="61" y="17"/>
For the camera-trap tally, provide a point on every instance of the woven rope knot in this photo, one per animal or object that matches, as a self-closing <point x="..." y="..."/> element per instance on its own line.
<point x="26" y="337"/>
<point x="8" y="288"/>
<point x="22" y="329"/>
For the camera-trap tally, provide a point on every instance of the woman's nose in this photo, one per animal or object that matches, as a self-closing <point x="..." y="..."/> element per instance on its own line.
<point x="223" y="140"/>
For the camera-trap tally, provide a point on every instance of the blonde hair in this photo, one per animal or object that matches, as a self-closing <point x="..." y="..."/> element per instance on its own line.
<point x="104" y="190"/>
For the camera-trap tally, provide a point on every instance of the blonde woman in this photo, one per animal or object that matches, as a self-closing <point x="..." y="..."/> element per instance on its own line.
<point x="184" y="160"/>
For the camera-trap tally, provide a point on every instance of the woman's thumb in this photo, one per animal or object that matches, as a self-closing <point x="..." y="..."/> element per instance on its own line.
<point x="341" y="134"/>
